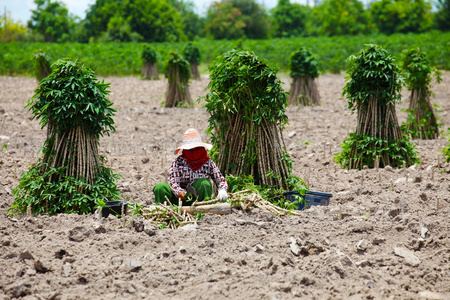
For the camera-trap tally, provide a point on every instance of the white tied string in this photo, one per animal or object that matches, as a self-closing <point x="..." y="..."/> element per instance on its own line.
<point x="192" y="141"/>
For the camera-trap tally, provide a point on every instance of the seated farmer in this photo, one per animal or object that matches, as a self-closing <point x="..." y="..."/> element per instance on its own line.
<point x="190" y="173"/>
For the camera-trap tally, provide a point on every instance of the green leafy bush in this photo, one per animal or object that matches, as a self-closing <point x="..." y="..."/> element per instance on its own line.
<point x="247" y="107"/>
<point x="192" y="54"/>
<point x="70" y="177"/>
<point x="42" y="65"/>
<point x="178" y="73"/>
<point x="418" y="72"/>
<point x="149" y="55"/>
<point x="303" y="64"/>
<point x="178" y="63"/>
<point x="372" y="89"/>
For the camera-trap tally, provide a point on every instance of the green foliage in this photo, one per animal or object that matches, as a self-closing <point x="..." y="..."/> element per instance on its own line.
<point x="10" y="31"/>
<point x="68" y="195"/>
<point x="149" y="55"/>
<point x="72" y="97"/>
<point x="238" y="73"/>
<point x="51" y="19"/>
<point x="373" y="88"/>
<point x="290" y="19"/>
<point x="42" y="65"/>
<point x="442" y="17"/>
<point x="418" y="75"/>
<point x="192" y="54"/>
<point x="342" y="17"/>
<point x="247" y="104"/>
<point x="151" y="20"/>
<point x="373" y="74"/>
<point x="303" y="64"/>
<point x="177" y="65"/>
<point x="402" y="152"/>
<point x="156" y="20"/>
<point x="119" y="59"/>
<point x="417" y="69"/>
<point x="70" y="178"/>
<point x="119" y="29"/>
<point x="192" y="23"/>
<point x="446" y="149"/>
<point x="402" y="16"/>
<point x="234" y="19"/>
<point x="269" y="193"/>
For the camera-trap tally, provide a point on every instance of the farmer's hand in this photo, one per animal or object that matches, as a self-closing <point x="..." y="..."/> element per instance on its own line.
<point x="222" y="195"/>
<point x="182" y="195"/>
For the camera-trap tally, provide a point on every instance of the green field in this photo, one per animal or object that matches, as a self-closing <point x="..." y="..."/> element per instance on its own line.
<point x="123" y="59"/>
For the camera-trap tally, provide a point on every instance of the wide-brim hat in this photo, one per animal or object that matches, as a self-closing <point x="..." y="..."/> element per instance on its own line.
<point x="191" y="140"/>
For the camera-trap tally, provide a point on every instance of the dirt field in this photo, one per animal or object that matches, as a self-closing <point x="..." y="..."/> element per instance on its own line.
<point x="378" y="242"/>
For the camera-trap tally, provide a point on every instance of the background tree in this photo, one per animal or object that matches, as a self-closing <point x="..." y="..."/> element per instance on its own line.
<point x="156" y="21"/>
<point x="71" y="177"/>
<point x="149" y="57"/>
<point x="422" y="121"/>
<point x="402" y="16"/>
<point x="192" y="55"/>
<point x="443" y="15"/>
<point x="178" y="74"/>
<point x="247" y="107"/>
<point x="290" y="19"/>
<point x="51" y="19"/>
<point x="124" y="20"/>
<point x="341" y="17"/>
<point x="192" y="23"/>
<point x="119" y="30"/>
<point x="11" y="31"/>
<point x="303" y="73"/>
<point x="373" y="88"/>
<point x="234" y="19"/>
<point x="99" y="14"/>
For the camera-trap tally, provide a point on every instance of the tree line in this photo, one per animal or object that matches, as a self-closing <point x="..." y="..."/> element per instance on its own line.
<point x="176" y="20"/>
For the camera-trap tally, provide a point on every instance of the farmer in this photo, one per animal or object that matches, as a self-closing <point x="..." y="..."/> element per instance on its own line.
<point x="190" y="172"/>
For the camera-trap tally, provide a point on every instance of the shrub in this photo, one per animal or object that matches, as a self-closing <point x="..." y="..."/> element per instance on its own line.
<point x="373" y="89"/>
<point x="70" y="177"/>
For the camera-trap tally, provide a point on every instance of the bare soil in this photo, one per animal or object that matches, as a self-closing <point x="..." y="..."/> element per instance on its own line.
<point x="384" y="235"/>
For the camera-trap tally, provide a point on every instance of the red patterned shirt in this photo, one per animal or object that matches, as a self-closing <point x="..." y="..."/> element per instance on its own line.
<point x="181" y="176"/>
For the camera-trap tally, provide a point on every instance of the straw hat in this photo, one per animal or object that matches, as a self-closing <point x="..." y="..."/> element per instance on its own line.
<point x="192" y="140"/>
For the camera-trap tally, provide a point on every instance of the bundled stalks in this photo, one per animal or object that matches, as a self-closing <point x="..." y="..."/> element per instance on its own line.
<point x="178" y="74"/>
<point x="42" y="65"/>
<point x="149" y="70"/>
<point x="422" y="121"/>
<point x="70" y="177"/>
<point x="248" y="199"/>
<point x="192" y="55"/>
<point x="247" y="106"/>
<point x="166" y="216"/>
<point x="303" y="72"/>
<point x="373" y="89"/>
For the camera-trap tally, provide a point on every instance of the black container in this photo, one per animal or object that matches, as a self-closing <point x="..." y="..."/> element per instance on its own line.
<point x="311" y="198"/>
<point x="114" y="208"/>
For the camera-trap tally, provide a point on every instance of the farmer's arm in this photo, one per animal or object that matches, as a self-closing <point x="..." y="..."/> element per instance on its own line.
<point x="174" y="179"/>
<point x="217" y="177"/>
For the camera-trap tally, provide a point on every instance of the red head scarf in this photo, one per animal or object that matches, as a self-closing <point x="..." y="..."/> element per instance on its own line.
<point x="195" y="157"/>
